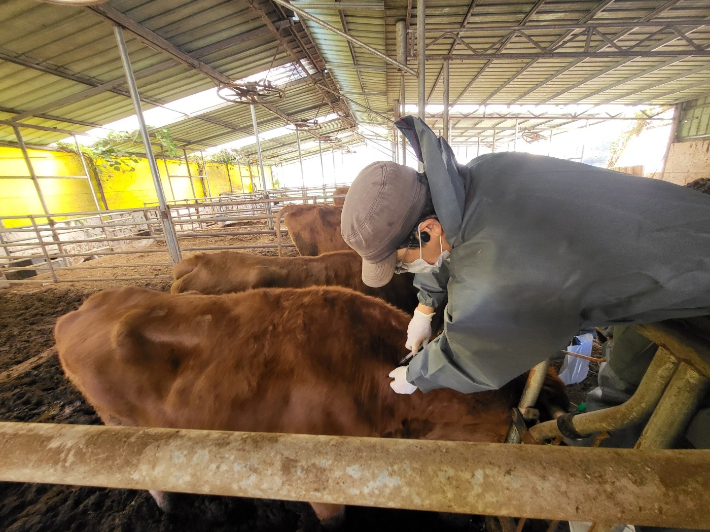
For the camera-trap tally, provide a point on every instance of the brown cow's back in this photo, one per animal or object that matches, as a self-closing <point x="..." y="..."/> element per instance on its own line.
<point x="311" y="361"/>
<point x="340" y="191"/>
<point x="231" y="271"/>
<point x="315" y="229"/>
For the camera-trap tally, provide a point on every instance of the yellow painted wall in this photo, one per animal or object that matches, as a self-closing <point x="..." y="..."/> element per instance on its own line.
<point x="123" y="189"/>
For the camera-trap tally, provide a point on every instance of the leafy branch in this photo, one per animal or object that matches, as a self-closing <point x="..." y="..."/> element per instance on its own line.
<point x="117" y="151"/>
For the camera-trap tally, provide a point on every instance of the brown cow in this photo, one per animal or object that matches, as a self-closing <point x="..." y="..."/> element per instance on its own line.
<point x="315" y="229"/>
<point x="340" y="191"/>
<point x="231" y="271"/>
<point x="306" y="361"/>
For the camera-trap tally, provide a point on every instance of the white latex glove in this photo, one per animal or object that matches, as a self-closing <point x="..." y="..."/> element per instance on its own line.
<point x="418" y="331"/>
<point x="400" y="384"/>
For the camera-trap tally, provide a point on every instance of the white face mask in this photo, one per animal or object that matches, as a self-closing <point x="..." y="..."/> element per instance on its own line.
<point x="420" y="265"/>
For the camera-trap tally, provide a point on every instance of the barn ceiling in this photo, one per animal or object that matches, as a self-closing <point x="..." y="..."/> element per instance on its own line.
<point x="60" y="66"/>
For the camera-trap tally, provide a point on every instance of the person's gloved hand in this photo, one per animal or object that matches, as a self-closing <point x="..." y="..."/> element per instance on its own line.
<point x="418" y="331"/>
<point x="400" y="384"/>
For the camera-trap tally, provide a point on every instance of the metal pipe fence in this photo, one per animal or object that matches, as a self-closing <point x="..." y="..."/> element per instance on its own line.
<point x="61" y="247"/>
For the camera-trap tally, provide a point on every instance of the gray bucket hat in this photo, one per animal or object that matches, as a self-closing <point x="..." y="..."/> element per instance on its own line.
<point x="381" y="209"/>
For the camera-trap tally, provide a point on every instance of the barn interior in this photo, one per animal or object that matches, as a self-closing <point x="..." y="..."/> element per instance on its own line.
<point x="136" y="133"/>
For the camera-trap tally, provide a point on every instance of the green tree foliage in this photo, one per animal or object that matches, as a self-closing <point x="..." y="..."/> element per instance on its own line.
<point x="118" y="151"/>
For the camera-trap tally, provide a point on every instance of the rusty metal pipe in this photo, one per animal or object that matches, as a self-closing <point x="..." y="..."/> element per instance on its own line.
<point x="536" y="378"/>
<point x="654" y="487"/>
<point x="675" y="410"/>
<point x="639" y="406"/>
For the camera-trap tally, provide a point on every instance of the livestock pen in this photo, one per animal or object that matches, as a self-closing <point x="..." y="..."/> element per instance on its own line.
<point x="225" y="98"/>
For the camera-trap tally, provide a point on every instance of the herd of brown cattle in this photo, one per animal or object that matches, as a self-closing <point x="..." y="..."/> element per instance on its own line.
<point x="297" y="345"/>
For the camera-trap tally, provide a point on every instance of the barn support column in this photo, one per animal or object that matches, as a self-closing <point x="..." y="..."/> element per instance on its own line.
<point x="300" y="161"/>
<point x="261" y="167"/>
<point x="322" y="169"/>
<point x="421" y="63"/>
<point x="335" y="178"/>
<point x="88" y="176"/>
<point x="401" y="42"/>
<point x="189" y="174"/>
<point x="93" y="194"/>
<point x="584" y="141"/>
<point x="35" y="180"/>
<point x="165" y="220"/>
<point x="167" y="173"/>
<point x="515" y="142"/>
<point x="446" y="103"/>
<point x="443" y="476"/>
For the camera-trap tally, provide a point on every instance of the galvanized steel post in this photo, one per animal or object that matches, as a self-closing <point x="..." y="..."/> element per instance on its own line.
<point x="261" y="166"/>
<point x="401" y="41"/>
<point x="421" y="63"/>
<point x="165" y="220"/>
<point x="446" y="102"/>
<point x="189" y="174"/>
<point x="30" y="168"/>
<point x="421" y="58"/>
<point x="35" y="180"/>
<point x="322" y="169"/>
<point x="515" y="142"/>
<point x="44" y="249"/>
<point x="86" y="172"/>
<point x="300" y="160"/>
<point x="91" y="188"/>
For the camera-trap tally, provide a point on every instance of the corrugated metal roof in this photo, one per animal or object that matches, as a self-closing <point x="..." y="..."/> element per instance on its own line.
<point x="59" y="66"/>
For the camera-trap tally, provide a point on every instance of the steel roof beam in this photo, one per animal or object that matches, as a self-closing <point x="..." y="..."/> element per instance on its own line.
<point x="579" y="26"/>
<point x="613" y="67"/>
<point x="13" y="111"/>
<point x="62" y="73"/>
<point x="238" y="39"/>
<point x="465" y="20"/>
<point x="333" y="29"/>
<point x="438" y="116"/>
<point x="645" y="72"/>
<point x="527" y="17"/>
<point x="664" y="82"/>
<point x="327" y="78"/>
<point x="154" y="40"/>
<point x="646" y="18"/>
<point x="346" y="66"/>
<point x="255" y="6"/>
<point x="341" y="6"/>
<point x="107" y="86"/>
<point x="97" y="88"/>
<point x="247" y="129"/>
<point x="568" y="55"/>
<point x="344" y="23"/>
<point x="557" y="41"/>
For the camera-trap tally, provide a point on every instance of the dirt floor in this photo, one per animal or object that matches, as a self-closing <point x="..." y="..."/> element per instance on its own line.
<point x="42" y="394"/>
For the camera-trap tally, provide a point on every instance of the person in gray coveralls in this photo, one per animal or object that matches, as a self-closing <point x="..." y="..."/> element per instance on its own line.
<point x="529" y="250"/>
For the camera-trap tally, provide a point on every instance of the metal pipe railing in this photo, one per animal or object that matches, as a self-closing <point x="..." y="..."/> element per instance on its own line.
<point x="87" y="234"/>
<point x="636" y="409"/>
<point x="443" y="476"/>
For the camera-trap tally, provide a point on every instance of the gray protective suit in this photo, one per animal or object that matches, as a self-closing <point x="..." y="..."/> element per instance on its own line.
<point x="543" y="247"/>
